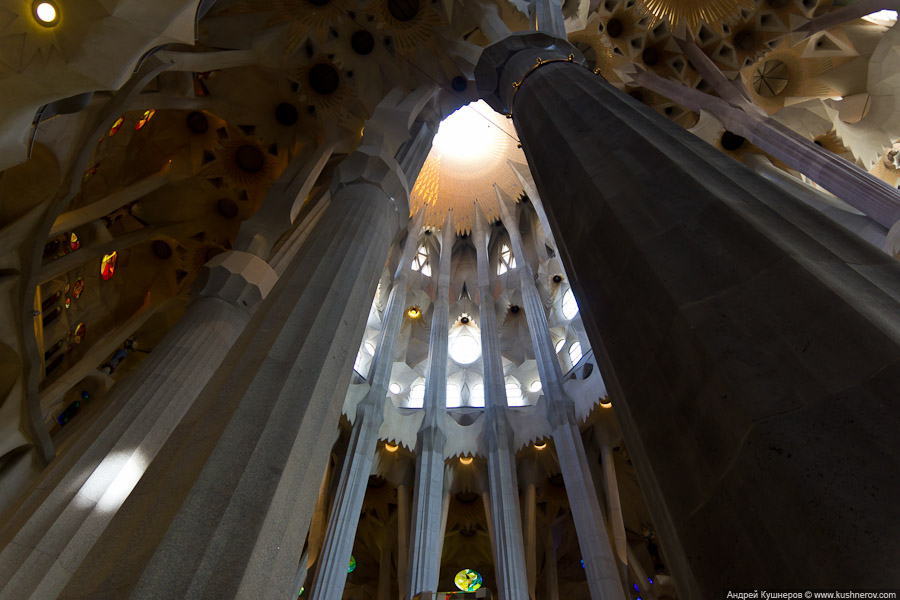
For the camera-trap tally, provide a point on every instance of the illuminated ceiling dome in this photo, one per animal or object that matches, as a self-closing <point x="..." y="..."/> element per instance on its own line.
<point x="469" y="156"/>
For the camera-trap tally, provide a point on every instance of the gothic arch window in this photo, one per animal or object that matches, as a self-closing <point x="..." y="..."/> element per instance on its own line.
<point x="420" y="262"/>
<point x="507" y="260"/>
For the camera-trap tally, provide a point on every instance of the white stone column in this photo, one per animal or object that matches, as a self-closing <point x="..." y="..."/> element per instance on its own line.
<point x="502" y="481"/>
<point x="599" y="562"/>
<point x="345" y="510"/>
<point x="425" y="542"/>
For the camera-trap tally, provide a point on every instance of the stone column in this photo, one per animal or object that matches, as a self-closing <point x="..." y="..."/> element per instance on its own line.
<point x="613" y="502"/>
<point x="596" y="551"/>
<point x="509" y="556"/>
<point x="402" y="539"/>
<point x="425" y="540"/>
<point x="839" y="176"/>
<point x="720" y="307"/>
<point x="551" y="571"/>
<point x="60" y="521"/>
<point x="384" y="566"/>
<point x="529" y="478"/>
<point x="300" y="578"/>
<point x="234" y="480"/>
<point x="347" y="505"/>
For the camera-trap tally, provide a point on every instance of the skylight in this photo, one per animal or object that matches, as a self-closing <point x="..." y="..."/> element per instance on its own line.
<point x="467" y="133"/>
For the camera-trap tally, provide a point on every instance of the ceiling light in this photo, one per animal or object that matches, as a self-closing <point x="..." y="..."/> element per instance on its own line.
<point x="46" y="13"/>
<point x="605" y="403"/>
<point x="394" y="388"/>
<point x="390" y="447"/>
<point x="535" y="385"/>
<point x="540" y="446"/>
<point x="465" y="460"/>
<point x="413" y="312"/>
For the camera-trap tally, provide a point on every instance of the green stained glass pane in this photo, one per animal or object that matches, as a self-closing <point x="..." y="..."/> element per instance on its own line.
<point x="352" y="566"/>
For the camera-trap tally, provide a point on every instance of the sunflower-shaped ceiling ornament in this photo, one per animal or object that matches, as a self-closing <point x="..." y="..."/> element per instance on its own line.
<point x="755" y="30"/>
<point x="266" y="100"/>
<point x="326" y="92"/>
<point x="304" y="18"/>
<point x="411" y="25"/>
<point x="242" y="164"/>
<point x="360" y="52"/>
<point x="684" y="14"/>
<point x="783" y="76"/>
<point x="598" y="50"/>
<point x="34" y="33"/>
<point x="888" y="168"/>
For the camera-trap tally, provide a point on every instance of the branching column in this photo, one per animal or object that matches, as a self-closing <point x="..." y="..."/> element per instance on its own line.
<point x="596" y="551"/>
<point x="347" y="505"/>
<point x="721" y="308"/>
<point x="504" y="489"/>
<point x="425" y="537"/>
<point x="839" y="176"/>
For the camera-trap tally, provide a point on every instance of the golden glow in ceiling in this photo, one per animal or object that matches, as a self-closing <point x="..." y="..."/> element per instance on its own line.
<point x="469" y="155"/>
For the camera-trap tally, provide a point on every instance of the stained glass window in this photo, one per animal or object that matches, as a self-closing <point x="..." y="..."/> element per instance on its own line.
<point x="79" y="333"/>
<point x="108" y="265"/>
<point x="352" y="566"/>
<point x="468" y="580"/>
<point x="74" y="244"/>
<point x="78" y="288"/>
<point x="116" y="126"/>
<point x="148" y="114"/>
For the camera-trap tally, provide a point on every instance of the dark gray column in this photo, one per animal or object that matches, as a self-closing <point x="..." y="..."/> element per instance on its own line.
<point x="752" y="346"/>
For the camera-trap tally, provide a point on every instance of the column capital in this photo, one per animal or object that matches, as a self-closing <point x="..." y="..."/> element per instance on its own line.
<point x="509" y="61"/>
<point x="375" y="166"/>
<point x="239" y="278"/>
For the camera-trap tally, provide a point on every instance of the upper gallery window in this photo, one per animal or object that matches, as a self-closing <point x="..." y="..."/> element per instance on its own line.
<point x="420" y="262"/>
<point x="507" y="260"/>
<point x="569" y="305"/>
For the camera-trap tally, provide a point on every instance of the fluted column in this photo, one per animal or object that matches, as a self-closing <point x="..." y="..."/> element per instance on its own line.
<point x="723" y="308"/>
<point x="235" y="479"/>
<point x="351" y="491"/>
<point x="502" y="482"/>
<point x="596" y="551"/>
<point x="529" y="479"/>
<point x="552" y="576"/>
<point x="425" y="541"/>
<point x="59" y="522"/>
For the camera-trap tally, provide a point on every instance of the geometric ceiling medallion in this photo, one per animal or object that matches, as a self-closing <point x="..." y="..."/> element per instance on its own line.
<point x="770" y="78"/>
<point x="692" y="12"/>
